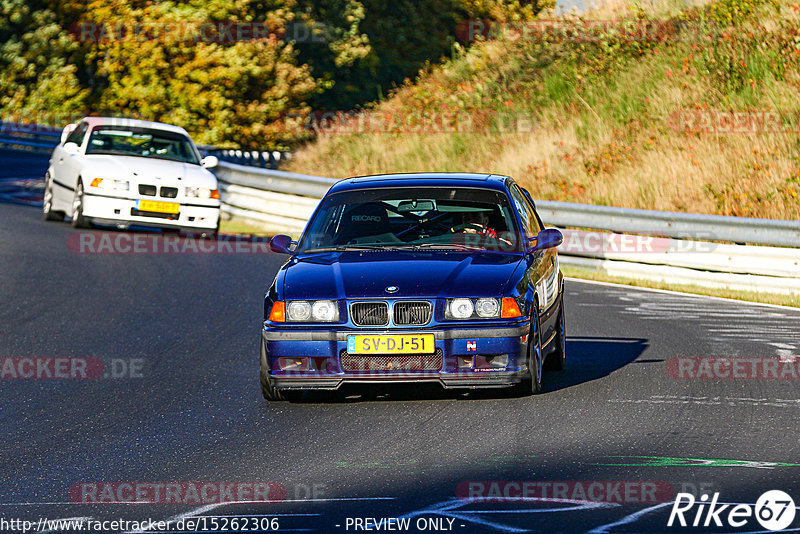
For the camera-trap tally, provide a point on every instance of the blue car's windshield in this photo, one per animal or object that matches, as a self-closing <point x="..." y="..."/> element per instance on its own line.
<point x="413" y="218"/>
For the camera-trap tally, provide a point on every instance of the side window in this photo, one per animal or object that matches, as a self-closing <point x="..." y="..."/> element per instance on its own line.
<point x="532" y="207"/>
<point x="77" y="134"/>
<point x="526" y="213"/>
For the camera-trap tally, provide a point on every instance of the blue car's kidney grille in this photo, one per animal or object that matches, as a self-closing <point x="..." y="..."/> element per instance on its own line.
<point x="412" y="313"/>
<point x="369" y="313"/>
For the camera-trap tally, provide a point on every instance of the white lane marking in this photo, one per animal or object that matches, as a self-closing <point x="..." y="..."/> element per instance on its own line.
<point x="713" y="401"/>
<point x="451" y="508"/>
<point x="628" y="519"/>
<point x="209" y="507"/>
<point x="186" y="515"/>
<point x="683" y="294"/>
<point x="728" y="326"/>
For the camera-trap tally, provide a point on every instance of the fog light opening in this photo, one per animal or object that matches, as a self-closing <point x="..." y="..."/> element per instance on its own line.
<point x="298" y="365"/>
<point x="465" y="362"/>
<point x="491" y="363"/>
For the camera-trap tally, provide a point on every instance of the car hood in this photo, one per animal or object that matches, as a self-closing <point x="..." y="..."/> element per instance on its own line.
<point x="350" y="275"/>
<point x="148" y="170"/>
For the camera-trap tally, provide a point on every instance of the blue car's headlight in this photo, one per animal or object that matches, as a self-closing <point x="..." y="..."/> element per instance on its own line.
<point x="482" y="308"/>
<point x="324" y="311"/>
<point x="462" y="308"/>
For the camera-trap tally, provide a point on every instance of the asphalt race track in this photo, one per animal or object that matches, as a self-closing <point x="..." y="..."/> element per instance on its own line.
<point x="177" y="400"/>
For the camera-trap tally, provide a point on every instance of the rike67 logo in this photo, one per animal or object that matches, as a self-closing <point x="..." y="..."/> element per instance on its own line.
<point x="774" y="510"/>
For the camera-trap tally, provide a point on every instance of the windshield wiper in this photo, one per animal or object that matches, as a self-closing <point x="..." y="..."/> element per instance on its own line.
<point x="343" y="248"/>
<point x="438" y="246"/>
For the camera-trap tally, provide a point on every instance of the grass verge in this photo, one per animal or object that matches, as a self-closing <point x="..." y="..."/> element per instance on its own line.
<point x="236" y="226"/>
<point x="700" y="115"/>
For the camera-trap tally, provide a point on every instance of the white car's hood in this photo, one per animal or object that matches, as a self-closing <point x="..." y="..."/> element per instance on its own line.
<point x="149" y="171"/>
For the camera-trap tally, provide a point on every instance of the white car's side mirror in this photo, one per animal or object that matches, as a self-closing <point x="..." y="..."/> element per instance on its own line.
<point x="68" y="129"/>
<point x="209" y="162"/>
<point x="71" y="148"/>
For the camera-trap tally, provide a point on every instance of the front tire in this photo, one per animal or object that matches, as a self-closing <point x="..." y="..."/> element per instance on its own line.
<point x="78" y="220"/>
<point x="532" y="383"/>
<point x="558" y="358"/>
<point x="47" y="202"/>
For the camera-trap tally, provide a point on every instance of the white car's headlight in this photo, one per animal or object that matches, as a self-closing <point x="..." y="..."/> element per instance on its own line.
<point x="482" y="308"/>
<point x="324" y="311"/>
<point x="110" y="184"/>
<point x="202" y="192"/>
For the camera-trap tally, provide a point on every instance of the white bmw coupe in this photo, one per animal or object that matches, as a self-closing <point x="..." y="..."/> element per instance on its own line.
<point x="126" y="172"/>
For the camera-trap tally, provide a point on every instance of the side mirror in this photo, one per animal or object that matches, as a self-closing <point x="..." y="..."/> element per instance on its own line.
<point x="548" y="238"/>
<point x="209" y="162"/>
<point x="68" y="129"/>
<point x="71" y="148"/>
<point x="281" y="244"/>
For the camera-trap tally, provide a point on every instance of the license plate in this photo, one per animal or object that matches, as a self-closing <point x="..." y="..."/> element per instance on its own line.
<point x="392" y="344"/>
<point x="160" y="207"/>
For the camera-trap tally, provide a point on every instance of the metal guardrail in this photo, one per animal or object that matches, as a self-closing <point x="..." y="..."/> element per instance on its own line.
<point x="672" y="224"/>
<point x="280" y="199"/>
<point x="34" y="139"/>
<point x="689" y="254"/>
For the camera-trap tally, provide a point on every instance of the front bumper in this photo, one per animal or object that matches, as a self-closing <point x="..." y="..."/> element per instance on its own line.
<point x="103" y="209"/>
<point x="326" y="349"/>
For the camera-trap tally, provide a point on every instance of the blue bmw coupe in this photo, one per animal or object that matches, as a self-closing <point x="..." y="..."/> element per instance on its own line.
<point x="431" y="277"/>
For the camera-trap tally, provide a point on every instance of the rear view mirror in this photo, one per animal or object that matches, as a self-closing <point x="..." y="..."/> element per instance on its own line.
<point x="281" y="244"/>
<point x="408" y="206"/>
<point x="548" y="238"/>
<point x="68" y="129"/>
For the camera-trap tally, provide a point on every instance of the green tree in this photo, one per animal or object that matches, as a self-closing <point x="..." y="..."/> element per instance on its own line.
<point x="37" y="75"/>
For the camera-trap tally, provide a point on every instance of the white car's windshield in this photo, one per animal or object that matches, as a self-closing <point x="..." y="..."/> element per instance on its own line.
<point x="141" y="142"/>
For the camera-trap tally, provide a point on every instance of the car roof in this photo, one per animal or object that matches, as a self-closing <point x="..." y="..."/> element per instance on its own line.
<point x="422" y="179"/>
<point x="132" y="123"/>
